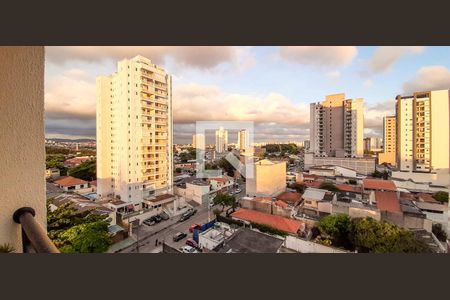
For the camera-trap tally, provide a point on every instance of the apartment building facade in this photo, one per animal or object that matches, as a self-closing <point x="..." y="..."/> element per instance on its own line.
<point x="423" y="132"/>
<point x="221" y="140"/>
<point x="198" y="141"/>
<point x="243" y="141"/>
<point x="388" y="155"/>
<point x="337" y="127"/>
<point x="134" y="132"/>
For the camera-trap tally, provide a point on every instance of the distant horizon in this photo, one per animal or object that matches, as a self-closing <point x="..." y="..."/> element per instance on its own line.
<point x="272" y="86"/>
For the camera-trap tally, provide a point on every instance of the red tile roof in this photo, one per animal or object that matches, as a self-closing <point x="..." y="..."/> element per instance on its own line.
<point x="387" y="201"/>
<point x="277" y="222"/>
<point x="348" y="188"/>
<point x="263" y="198"/>
<point x="379" y="184"/>
<point x="69" y="181"/>
<point x="93" y="182"/>
<point x="426" y="198"/>
<point x="289" y="197"/>
<point x="281" y="204"/>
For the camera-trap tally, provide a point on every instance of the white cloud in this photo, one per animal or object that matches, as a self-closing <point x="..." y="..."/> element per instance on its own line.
<point x="202" y="57"/>
<point x="429" y="78"/>
<point x="373" y="116"/>
<point x="386" y="56"/>
<point x="198" y="103"/>
<point x="328" y="56"/>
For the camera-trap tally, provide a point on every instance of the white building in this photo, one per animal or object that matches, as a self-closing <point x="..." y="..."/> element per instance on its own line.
<point x="134" y="132"/>
<point x="221" y="140"/>
<point x="243" y="141"/>
<point x="198" y="141"/>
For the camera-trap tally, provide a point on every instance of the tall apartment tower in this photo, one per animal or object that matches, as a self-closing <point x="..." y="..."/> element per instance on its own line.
<point x="337" y="127"/>
<point x="243" y="142"/>
<point x="423" y="132"/>
<point x="221" y="140"/>
<point x="198" y="141"/>
<point x="134" y="132"/>
<point x="389" y="141"/>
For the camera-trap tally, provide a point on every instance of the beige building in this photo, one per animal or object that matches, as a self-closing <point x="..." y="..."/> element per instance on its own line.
<point x="243" y="141"/>
<point x="221" y="140"/>
<point x="269" y="179"/>
<point x="198" y="141"/>
<point x="134" y="132"/>
<point x="389" y="141"/>
<point x="423" y="132"/>
<point x="372" y="144"/>
<point x="337" y="127"/>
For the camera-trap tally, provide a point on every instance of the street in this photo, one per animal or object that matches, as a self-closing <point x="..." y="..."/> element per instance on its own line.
<point x="165" y="230"/>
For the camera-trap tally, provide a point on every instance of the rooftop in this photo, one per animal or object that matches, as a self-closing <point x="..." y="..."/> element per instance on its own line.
<point x="387" y="201"/>
<point x="348" y="188"/>
<point x="69" y="181"/>
<point x="277" y="222"/>
<point x="289" y="197"/>
<point x="250" y="241"/>
<point x="379" y="184"/>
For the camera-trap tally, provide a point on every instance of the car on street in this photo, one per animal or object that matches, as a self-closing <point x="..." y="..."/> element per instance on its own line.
<point x="179" y="236"/>
<point x="188" y="249"/>
<point x="238" y="191"/>
<point x="149" y="222"/>
<point x="164" y="216"/>
<point x="158" y="218"/>
<point x="193" y="227"/>
<point x="211" y="204"/>
<point x="184" y="217"/>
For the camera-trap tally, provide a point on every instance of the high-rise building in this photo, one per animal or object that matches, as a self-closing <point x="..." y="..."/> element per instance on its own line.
<point x="306" y="145"/>
<point x="134" y="132"/>
<point x="243" y="142"/>
<point x="337" y="127"/>
<point x="198" y="141"/>
<point x="389" y="141"/>
<point x="221" y="140"/>
<point x="372" y="144"/>
<point x="423" y="131"/>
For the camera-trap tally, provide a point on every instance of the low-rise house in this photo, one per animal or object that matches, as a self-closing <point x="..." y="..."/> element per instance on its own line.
<point x="267" y="205"/>
<point x="76" y="161"/>
<point x="317" y="202"/>
<point x="287" y="225"/>
<point x="221" y="183"/>
<point x="194" y="189"/>
<point x="213" y="237"/>
<point x="348" y="191"/>
<point x="72" y="184"/>
<point x="290" y="198"/>
<point x="370" y="184"/>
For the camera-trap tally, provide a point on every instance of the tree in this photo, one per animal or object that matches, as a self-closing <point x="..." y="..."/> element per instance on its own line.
<point x="86" y="238"/>
<point x="377" y="174"/>
<point x="369" y="235"/>
<point x="86" y="170"/>
<point x="225" y="165"/>
<point x="178" y="170"/>
<point x="225" y="200"/>
<point x="326" y="185"/>
<point x="6" y="248"/>
<point x="75" y="231"/>
<point x="299" y="187"/>
<point x="337" y="227"/>
<point x="441" y="196"/>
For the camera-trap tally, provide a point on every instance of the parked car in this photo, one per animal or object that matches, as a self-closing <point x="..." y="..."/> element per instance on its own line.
<point x="179" y="236"/>
<point x="184" y="217"/>
<point x="238" y="191"/>
<point x="193" y="227"/>
<point x="164" y="216"/>
<point x="158" y="218"/>
<point x="192" y="243"/>
<point x="149" y="222"/>
<point x="188" y="249"/>
<point x="192" y="211"/>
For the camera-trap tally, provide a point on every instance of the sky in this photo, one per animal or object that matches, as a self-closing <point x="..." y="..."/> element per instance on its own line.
<point x="271" y="86"/>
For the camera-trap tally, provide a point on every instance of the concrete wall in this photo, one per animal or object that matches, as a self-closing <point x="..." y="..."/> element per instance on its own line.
<point x="22" y="149"/>
<point x="304" y="246"/>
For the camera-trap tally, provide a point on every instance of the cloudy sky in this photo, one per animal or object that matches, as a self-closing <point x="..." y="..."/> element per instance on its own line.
<point x="271" y="86"/>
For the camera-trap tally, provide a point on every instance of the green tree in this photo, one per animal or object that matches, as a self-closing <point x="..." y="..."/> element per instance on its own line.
<point x="86" y="170"/>
<point x="225" y="200"/>
<point x="326" y="185"/>
<point x="439" y="232"/>
<point x="441" y="196"/>
<point x="6" y="248"/>
<point x="337" y="227"/>
<point x="377" y="174"/>
<point x="299" y="187"/>
<point x="86" y="238"/>
<point x="75" y="231"/>
<point x="225" y="165"/>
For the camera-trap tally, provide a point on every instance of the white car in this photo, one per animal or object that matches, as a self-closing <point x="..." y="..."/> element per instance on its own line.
<point x="188" y="249"/>
<point x="238" y="191"/>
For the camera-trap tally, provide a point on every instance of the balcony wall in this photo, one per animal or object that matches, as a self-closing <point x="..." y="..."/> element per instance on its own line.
<point x="22" y="149"/>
